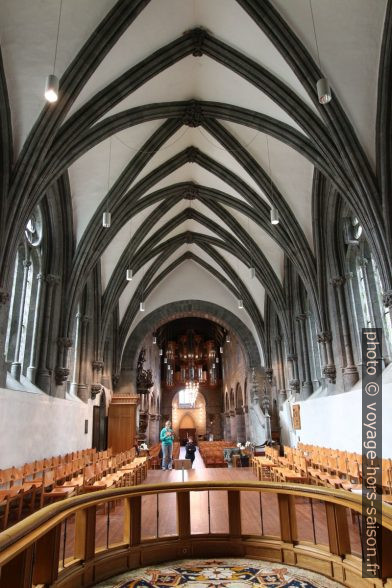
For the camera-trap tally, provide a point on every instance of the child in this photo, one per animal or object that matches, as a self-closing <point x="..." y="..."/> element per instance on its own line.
<point x="190" y="449"/>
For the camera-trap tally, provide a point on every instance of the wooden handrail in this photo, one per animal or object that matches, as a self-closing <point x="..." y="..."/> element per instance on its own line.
<point x="27" y="531"/>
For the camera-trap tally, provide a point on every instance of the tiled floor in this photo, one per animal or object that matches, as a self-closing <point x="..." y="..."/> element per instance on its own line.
<point x="229" y="573"/>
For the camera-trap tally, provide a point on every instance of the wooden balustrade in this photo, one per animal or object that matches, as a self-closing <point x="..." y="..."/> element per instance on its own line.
<point x="88" y="538"/>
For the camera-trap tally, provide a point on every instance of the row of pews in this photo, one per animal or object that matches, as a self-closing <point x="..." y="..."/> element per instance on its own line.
<point x="154" y="453"/>
<point x="212" y="453"/>
<point x="322" y="466"/>
<point x="23" y="490"/>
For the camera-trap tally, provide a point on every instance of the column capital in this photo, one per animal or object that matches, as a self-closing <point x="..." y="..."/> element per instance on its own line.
<point x="26" y="263"/>
<point x="4" y="297"/>
<point x="97" y="365"/>
<point x="329" y="371"/>
<point x="363" y="261"/>
<point x="294" y="385"/>
<point x="52" y="279"/>
<point x="64" y="342"/>
<point x="324" y="337"/>
<point x="41" y="276"/>
<point x="338" y="281"/>
<point x="387" y="298"/>
<point x="95" y="389"/>
<point x="61" y="374"/>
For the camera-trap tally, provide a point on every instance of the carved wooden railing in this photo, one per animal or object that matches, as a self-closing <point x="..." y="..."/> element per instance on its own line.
<point x="86" y="539"/>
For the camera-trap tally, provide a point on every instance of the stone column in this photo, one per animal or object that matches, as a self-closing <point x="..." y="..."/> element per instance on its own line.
<point x="62" y="369"/>
<point x="233" y="428"/>
<point x="307" y="387"/>
<point x="77" y="354"/>
<point x="4" y="310"/>
<point x="43" y="373"/>
<point x="16" y="366"/>
<point x="364" y="264"/>
<point x="329" y="369"/>
<point x="240" y="425"/>
<point x="80" y="370"/>
<point x="350" y="371"/>
<point x="37" y="328"/>
<point x="281" y="378"/>
<point x="98" y="367"/>
<point x="294" y="383"/>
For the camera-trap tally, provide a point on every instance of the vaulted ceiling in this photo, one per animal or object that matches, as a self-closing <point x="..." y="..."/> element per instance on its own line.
<point x="164" y="113"/>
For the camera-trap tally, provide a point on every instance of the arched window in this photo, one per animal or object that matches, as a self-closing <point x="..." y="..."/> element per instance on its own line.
<point x="21" y="339"/>
<point x="365" y="293"/>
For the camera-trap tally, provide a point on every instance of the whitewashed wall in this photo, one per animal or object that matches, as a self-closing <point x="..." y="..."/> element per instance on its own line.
<point x="34" y="426"/>
<point x="335" y="421"/>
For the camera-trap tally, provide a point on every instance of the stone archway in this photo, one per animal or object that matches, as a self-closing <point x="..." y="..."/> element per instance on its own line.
<point x="189" y="308"/>
<point x="195" y="417"/>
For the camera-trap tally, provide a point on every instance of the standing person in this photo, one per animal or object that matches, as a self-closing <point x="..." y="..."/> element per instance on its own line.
<point x="166" y="437"/>
<point x="190" y="450"/>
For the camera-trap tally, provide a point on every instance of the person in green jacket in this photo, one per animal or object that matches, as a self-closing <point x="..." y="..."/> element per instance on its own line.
<point x="166" y="437"/>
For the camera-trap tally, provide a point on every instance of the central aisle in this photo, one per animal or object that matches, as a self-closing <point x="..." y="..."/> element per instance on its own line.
<point x="198" y="463"/>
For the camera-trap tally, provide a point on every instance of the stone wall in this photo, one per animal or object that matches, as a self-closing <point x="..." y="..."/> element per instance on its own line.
<point x="35" y="425"/>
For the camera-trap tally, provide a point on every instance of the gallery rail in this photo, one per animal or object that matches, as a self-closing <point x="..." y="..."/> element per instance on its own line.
<point x="86" y="539"/>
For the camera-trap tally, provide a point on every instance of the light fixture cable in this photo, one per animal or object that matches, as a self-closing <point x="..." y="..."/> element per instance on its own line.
<point x="274" y="211"/>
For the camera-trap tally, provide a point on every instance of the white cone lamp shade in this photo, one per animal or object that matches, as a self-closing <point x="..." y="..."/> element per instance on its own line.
<point x="106" y="220"/>
<point x="52" y="88"/>
<point x="217" y="360"/>
<point x="324" y="91"/>
<point x="240" y="304"/>
<point x="227" y="338"/>
<point x="142" y="307"/>
<point x="161" y="352"/>
<point x="129" y="275"/>
<point x="154" y="340"/>
<point x="221" y="349"/>
<point x="165" y="360"/>
<point x="274" y="216"/>
<point x="252" y="272"/>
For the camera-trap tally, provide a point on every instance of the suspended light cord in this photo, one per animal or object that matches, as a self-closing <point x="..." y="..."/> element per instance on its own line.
<point x="269" y="163"/>
<point x="57" y="37"/>
<point x="315" y="36"/>
<point x="324" y="93"/>
<point x="110" y="162"/>
<point x="274" y="211"/>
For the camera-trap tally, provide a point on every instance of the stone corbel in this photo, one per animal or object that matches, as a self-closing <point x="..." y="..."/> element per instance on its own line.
<point x="61" y="374"/>
<point x="95" y="389"/>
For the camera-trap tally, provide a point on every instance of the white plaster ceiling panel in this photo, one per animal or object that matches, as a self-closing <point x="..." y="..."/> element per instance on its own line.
<point x="192" y="282"/>
<point x="199" y="251"/>
<point x="349" y="34"/>
<point x="254" y="286"/>
<point x="202" y="78"/>
<point x="90" y="177"/>
<point x="221" y="17"/>
<point x="163" y="219"/>
<point x="272" y="251"/>
<point x="200" y="138"/>
<point x="291" y="172"/>
<point x="192" y="172"/>
<point x="192" y="247"/>
<point x="131" y="288"/>
<point x="190" y="225"/>
<point x="119" y="243"/>
<point x="28" y="32"/>
<point x="207" y="212"/>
